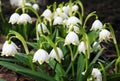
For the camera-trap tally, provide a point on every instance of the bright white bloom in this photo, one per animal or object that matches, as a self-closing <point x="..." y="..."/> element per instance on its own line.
<point x="44" y="28"/>
<point x="28" y="4"/>
<point x="82" y="47"/>
<point x="72" y="38"/>
<point x="96" y="75"/>
<point x="47" y="14"/>
<point x="36" y="6"/>
<point x="75" y="8"/>
<point x="41" y="56"/>
<point x="66" y="9"/>
<point x="53" y="54"/>
<point x="73" y="21"/>
<point x="24" y="19"/>
<point x="17" y="3"/>
<point x="59" y="10"/>
<point x="14" y="18"/>
<point x="104" y="35"/>
<point x="9" y="49"/>
<point x="57" y="21"/>
<point x="97" y="24"/>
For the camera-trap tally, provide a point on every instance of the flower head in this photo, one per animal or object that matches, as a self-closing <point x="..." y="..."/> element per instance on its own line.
<point x="47" y="14"/>
<point x="9" y="49"/>
<point x="104" y="35"/>
<point x="17" y="3"/>
<point x="24" y="19"/>
<point x="43" y="27"/>
<point x="41" y="56"/>
<point x="53" y="54"/>
<point x="75" y="8"/>
<point x="66" y="9"/>
<point x="14" y="18"/>
<point x="96" y="75"/>
<point x="72" y="37"/>
<point x="35" y="6"/>
<point x="57" y="21"/>
<point x="73" y="21"/>
<point x="97" y="24"/>
<point x="82" y="47"/>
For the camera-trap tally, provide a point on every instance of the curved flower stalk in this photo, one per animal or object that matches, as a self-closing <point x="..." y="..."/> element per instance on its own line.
<point x="9" y="48"/>
<point x="41" y="56"/>
<point x="71" y="38"/>
<point x="54" y="55"/>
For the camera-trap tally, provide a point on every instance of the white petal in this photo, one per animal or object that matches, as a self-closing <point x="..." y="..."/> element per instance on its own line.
<point x="14" y="18"/>
<point x="97" y="24"/>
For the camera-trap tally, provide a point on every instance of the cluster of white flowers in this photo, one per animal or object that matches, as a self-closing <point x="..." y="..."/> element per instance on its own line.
<point x="19" y="3"/>
<point x="20" y="19"/>
<point x="42" y="56"/>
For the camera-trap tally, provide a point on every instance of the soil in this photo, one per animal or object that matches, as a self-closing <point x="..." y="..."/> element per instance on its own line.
<point x="107" y="10"/>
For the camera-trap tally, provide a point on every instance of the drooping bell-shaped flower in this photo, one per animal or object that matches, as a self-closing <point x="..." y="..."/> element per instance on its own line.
<point x="14" y="18"/>
<point x="35" y="6"/>
<point x="58" y="20"/>
<point x="96" y="75"/>
<point x="28" y="4"/>
<point x="73" y="21"/>
<point x="75" y="8"/>
<point x="41" y="56"/>
<point x="43" y="27"/>
<point x="9" y="49"/>
<point x="24" y="19"/>
<point x="104" y="35"/>
<point x="66" y="9"/>
<point x="17" y="3"/>
<point x="47" y="14"/>
<point x="97" y="24"/>
<point x="82" y="47"/>
<point x="53" y="54"/>
<point x="71" y="38"/>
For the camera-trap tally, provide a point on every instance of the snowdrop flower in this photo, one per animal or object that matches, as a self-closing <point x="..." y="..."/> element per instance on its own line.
<point x="104" y="35"/>
<point x="9" y="49"/>
<point x="14" y="18"/>
<point x="96" y="75"/>
<point x="41" y="56"/>
<point x="97" y="24"/>
<point x="66" y="9"/>
<point x="47" y="14"/>
<point x="17" y="3"/>
<point x="75" y="8"/>
<point x="74" y="28"/>
<point x="57" y="21"/>
<point x="82" y="47"/>
<point x="59" y="10"/>
<point x="24" y="19"/>
<point x="53" y="54"/>
<point x="43" y="27"/>
<point x="73" y="21"/>
<point x="71" y="38"/>
<point x="36" y="6"/>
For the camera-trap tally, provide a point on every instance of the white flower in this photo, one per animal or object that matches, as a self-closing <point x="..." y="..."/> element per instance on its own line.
<point x="53" y="54"/>
<point x="36" y="6"/>
<point x="14" y="18"/>
<point x="24" y="19"/>
<point x="44" y="28"/>
<point x="66" y="9"/>
<point x="96" y="75"/>
<point x="75" y="8"/>
<point x="57" y="21"/>
<point x="17" y="3"/>
<point x="74" y="28"/>
<point x="9" y="49"/>
<point x="104" y="35"/>
<point x="73" y="21"/>
<point x="82" y="47"/>
<point x="41" y="56"/>
<point x="47" y="14"/>
<point x="71" y="37"/>
<point x="59" y="10"/>
<point x="97" y="24"/>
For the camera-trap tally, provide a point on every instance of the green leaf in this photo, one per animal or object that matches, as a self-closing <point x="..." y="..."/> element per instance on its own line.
<point x="113" y="77"/>
<point x="34" y="45"/>
<point x="30" y="73"/>
<point x="80" y="67"/>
